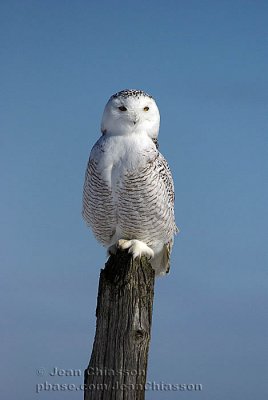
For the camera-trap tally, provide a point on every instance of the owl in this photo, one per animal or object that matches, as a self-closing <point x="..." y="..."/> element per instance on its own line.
<point x="128" y="196"/>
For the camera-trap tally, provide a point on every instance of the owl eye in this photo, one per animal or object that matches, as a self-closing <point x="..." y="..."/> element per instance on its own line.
<point x="122" y="108"/>
<point x="146" y="109"/>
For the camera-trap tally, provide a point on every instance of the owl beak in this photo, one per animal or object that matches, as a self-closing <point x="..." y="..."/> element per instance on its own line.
<point x="135" y="119"/>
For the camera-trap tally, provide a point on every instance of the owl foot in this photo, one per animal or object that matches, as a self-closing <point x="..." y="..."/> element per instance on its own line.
<point x="136" y="248"/>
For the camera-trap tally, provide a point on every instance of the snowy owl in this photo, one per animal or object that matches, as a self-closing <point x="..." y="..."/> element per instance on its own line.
<point x="128" y="197"/>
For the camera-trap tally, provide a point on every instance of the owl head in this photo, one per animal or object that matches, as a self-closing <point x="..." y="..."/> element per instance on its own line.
<point x="131" y="111"/>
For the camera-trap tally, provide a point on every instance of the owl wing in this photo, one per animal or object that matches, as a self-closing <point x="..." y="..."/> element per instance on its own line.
<point x="146" y="200"/>
<point x="98" y="207"/>
<point x="164" y="172"/>
<point x="161" y="263"/>
<point x="147" y="212"/>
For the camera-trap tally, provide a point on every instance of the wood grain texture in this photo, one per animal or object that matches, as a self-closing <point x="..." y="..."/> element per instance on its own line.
<point x="118" y="363"/>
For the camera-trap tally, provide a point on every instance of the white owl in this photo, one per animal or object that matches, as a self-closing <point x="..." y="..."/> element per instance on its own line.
<point x="128" y="197"/>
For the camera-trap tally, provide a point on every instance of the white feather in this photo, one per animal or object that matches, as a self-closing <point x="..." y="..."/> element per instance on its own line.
<point x="128" y="191"/>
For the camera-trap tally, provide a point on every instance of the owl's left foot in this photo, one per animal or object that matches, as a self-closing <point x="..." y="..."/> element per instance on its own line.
<point x="136" y="248"/>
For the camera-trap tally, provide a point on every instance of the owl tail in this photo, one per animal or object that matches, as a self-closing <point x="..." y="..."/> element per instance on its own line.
<point x="161" y="261"/>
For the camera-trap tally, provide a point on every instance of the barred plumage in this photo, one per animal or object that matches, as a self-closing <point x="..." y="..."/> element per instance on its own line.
<point x="128" y="192"/>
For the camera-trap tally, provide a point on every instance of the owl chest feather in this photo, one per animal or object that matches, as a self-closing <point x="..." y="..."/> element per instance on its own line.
<point x="127" y="181"/>
<point x="125" y="193"/>
<point x="119" y="156"/>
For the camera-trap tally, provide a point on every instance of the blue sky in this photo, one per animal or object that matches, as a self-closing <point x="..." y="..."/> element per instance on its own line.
<point x="205" y="63"/>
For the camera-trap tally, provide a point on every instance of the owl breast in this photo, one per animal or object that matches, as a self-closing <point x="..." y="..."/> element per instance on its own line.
<point x="126" y="194"/>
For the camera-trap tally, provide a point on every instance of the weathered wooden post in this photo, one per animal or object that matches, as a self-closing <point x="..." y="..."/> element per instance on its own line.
<point x="118" y="364"/>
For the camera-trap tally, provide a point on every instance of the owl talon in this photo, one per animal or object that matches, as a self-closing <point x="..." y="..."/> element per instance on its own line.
<point x="136" y="248"/>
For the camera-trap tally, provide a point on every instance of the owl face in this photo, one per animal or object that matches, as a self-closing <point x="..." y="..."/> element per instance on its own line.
<point x="131" y="111"/>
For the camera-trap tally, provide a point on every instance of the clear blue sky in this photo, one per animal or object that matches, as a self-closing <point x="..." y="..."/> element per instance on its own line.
<point x="205" y="63"/>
